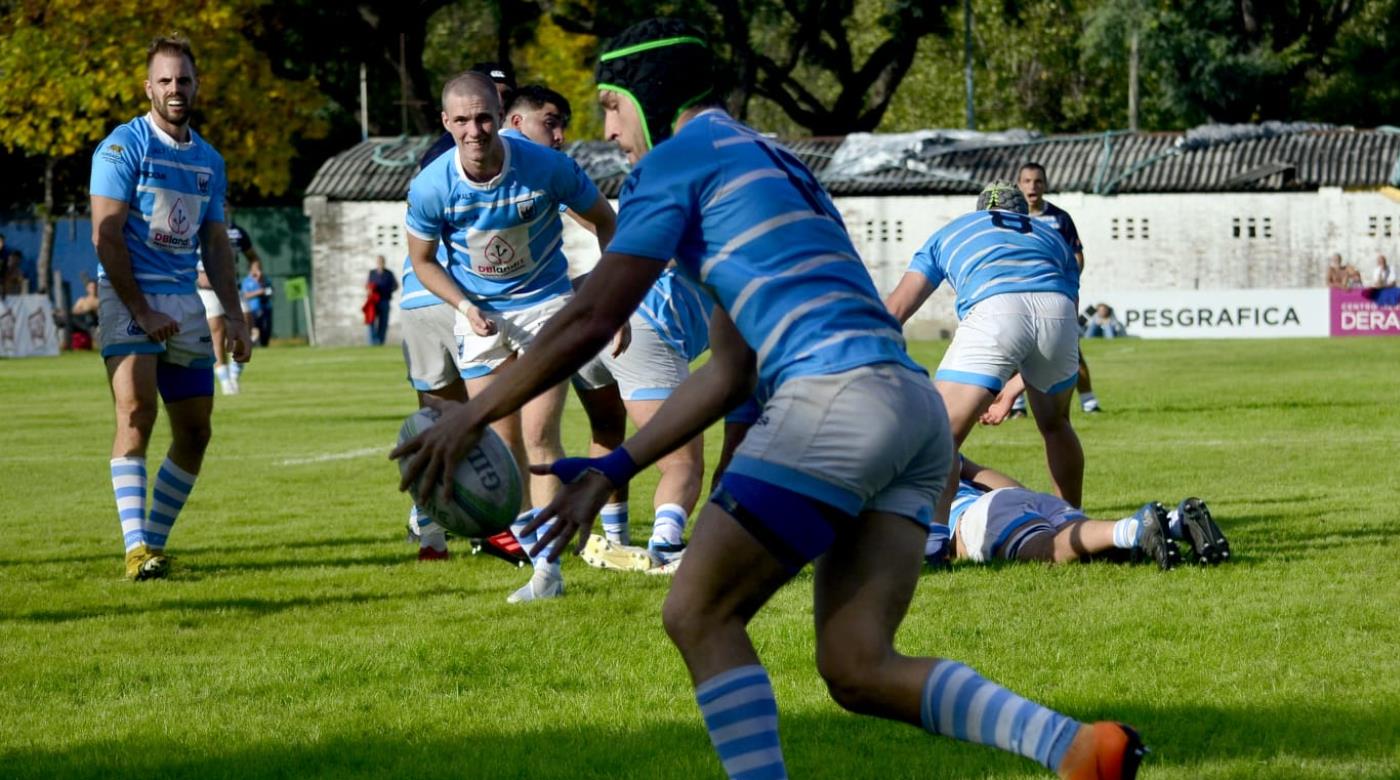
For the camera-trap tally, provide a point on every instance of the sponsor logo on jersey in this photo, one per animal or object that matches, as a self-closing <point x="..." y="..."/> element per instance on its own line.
<point x="501" y="258"/>
<point x="179" y="219"/>
<point x="113" y="152"/>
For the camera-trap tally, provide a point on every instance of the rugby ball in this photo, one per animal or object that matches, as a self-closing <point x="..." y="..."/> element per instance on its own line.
<point x="486" y="484"/>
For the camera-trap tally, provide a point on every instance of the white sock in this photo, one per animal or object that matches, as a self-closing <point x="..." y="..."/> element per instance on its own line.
<point x="669" y="525"/>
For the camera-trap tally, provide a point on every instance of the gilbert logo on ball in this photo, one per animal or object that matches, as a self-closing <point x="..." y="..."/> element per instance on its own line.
<point x="486" y="485"/>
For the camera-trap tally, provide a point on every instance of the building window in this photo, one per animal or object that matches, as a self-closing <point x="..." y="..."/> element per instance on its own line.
<point x="884" y="230"/>
<point x="1252" y="227"/>
<point x="1380" y="226"/>
<point x="388" y="238"/>
<point x="1129" y="229"/>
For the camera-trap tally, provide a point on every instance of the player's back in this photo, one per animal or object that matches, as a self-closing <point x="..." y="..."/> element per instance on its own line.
<point x="679" y="311"/>
<point x="987" y="253"/>
<point x="762" y="236"/>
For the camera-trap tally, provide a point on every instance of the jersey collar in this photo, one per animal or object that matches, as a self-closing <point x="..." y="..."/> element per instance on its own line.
<point x="168" y="139"/>
<point x="495" y="181"/>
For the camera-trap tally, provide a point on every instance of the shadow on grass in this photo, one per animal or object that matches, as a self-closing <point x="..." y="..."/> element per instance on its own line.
<point x="255" y="606"/>
<point x="115" y="555"/>
<point x="826" y="744"/>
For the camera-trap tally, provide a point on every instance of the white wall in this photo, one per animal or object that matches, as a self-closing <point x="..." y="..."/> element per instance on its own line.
<point x="1205" y="241"/>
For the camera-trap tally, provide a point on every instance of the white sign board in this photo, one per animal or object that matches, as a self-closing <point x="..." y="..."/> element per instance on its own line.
<point x="26" y="327"/>
<point x="1217" y="314"/>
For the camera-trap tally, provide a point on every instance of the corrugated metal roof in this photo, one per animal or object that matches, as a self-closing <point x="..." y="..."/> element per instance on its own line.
<point x="381" y="168"/>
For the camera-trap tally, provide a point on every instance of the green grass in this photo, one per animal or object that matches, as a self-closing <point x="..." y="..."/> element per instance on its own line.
<point x="299" y="638"/>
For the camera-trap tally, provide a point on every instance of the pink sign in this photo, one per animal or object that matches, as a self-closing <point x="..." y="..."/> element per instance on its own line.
<point x="1365" y="313"/>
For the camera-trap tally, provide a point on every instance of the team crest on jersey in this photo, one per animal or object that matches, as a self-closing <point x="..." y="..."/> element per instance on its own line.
<point x="113" y="152"/>
<point x="202" y="181"/>
<point x="526" y="209"/>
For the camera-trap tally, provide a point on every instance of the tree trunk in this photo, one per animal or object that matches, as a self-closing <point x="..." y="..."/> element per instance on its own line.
<point x="46" y="213"/>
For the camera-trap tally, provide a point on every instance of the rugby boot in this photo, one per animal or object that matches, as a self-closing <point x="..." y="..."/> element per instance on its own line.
<point x="1153" y="539"/>
<point x="1208" y="543"/>
<point x="1104" y="751"/>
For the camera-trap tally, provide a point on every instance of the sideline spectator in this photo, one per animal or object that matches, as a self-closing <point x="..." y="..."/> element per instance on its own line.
<point x="1104" y="324"/>
<point x="1383" y="276"/>
<point x="1352" y="277"/>
<point x="12" y="281"/>
<point x="381" y="285"/>
<point x="256" y="291"/>
<point x="83" y="319"/>
<point x="1336" y="271"/>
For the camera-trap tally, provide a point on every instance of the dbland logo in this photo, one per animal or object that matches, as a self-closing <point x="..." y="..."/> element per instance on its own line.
<point x="179" y="218"/>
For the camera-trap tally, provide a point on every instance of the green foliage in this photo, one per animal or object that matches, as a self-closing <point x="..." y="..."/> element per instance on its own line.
<point x="298" y="638"/>
<point x="70" y="71"/>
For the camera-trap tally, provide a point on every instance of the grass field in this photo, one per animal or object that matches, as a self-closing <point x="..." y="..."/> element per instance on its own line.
<point x="298" y="637"/>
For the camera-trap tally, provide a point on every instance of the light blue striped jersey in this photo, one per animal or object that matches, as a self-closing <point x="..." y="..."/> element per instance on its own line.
<point x="967" y="494"/>
<point x="412" y="293"/>
<point x="988" y="253"/>
<point x="501" y="240"/>
<point x="744" y="217"/>
<point x="171" y="190"/>
<point x="679" y="311"/>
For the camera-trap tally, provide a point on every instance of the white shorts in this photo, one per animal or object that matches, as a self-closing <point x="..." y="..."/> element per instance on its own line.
<point x="650" y="369"/>
<point x="212" y="307"/>
<point x="998" y="522"/>
<point x="594" y="374"/>
<point x="1036" y="334"/>
<point x="192" y="347"/>
<point x="478" y="356"/>
<point x="429" y="346"/>
<point x="873" y="438"/>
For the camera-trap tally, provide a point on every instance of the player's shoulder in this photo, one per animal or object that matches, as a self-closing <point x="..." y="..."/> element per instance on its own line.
<point x="124" y="141"/>
<point x="206" y="149"/>
<point x="529" y="158"/>
<point x="435" y="178"/>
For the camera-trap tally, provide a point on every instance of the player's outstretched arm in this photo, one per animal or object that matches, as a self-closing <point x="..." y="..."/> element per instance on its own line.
<point x="602" y="220"/>
<point x="914" y="288"/>
<point x="987" y="477"/>
<point x="571" y="338"/>
<point x="108" y="218"/>
<point x="218" y="266"/>
<point x="719" y="385"/>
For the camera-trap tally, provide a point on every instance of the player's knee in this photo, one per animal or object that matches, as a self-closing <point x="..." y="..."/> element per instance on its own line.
<point x="852" y="671"/>
<point x="137" y="415"/>
<point x="683" y="620"/>
<point x="194" y="434"/>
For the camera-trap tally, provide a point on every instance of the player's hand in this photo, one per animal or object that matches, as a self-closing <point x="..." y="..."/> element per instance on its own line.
<point x="481" y="324"/>
<point x="157" y="325"/>
<point x="236" y="339"/>
<point x="1000" y="409"/>
<point x="622" y="339"/>
<point x="585" y="492"/>
<point x="436" y="451"/>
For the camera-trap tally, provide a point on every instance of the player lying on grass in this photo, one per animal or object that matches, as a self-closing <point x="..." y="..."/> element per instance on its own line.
<point x="994" y="516"/>
<point x="850" y="449"/>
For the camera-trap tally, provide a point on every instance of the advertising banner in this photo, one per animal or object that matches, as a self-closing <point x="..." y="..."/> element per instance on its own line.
<point x="1365" y="312"/>
<point x="26" y="327"/>
<point x="1218" y="314"/>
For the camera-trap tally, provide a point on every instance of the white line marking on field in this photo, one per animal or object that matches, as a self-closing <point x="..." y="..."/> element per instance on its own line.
<point x="329" y="456"/>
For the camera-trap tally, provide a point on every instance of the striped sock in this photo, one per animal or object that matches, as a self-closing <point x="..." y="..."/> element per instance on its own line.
<point x="172" y="490"/>
<point x="615" y="525"/>
<point x="129" y="486"/>
<point x="1125" y="533"/>
<point x="221" y="373"/>
<point x="517" y="527"/>
<point x="669" y="524"/>
<point x="430" y="534"/>
<point x="959" y="703"/>
<point x="742" y="717"/>
<point x="235" y="370"/>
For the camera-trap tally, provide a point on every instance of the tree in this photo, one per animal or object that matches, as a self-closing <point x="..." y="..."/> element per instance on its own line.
<point x="71" y="70"/>
<point x="829" y="66"/>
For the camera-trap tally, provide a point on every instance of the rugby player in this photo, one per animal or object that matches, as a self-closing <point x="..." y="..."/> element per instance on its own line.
<point x="158" y="199"/>
<point x="1032" y="182"/>
<point x="1017" y="286"/>
<point x="493" y="206"/>
<point x="229" y="373"/>
<point x="851" y="447"/>
<point x="994" y="516"/>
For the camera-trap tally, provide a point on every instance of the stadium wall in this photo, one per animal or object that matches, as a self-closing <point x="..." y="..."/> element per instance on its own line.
<point x="1226" y="242"/>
